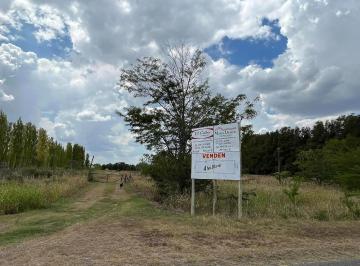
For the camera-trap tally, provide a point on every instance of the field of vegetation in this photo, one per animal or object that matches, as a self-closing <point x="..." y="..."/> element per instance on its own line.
<point x="263" y="197"/>
<point x="29" y="193"/>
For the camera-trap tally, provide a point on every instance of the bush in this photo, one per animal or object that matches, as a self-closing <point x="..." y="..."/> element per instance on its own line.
<point x="293" y="191"/>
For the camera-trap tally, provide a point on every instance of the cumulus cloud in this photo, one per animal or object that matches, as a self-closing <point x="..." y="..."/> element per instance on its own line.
<point x="75" y="97"/>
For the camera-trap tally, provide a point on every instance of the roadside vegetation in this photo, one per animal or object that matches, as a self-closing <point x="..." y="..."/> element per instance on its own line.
<point x="36" y="170"/>
<point x="263" y="198"/>
<point x="30" y="194"/>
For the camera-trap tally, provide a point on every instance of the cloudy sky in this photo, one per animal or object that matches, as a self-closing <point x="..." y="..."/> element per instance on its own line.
<point x="60" y="60"/>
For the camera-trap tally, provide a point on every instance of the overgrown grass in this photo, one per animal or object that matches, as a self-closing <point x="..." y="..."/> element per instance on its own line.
<point x="314" y="202"/>
<point x="30" y="194"/>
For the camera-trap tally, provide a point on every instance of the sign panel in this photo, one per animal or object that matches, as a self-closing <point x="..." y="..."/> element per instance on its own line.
<point x="216" y="152"/>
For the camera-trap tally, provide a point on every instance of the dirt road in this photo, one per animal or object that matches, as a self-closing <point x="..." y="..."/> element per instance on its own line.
<point x="133" y="231"/>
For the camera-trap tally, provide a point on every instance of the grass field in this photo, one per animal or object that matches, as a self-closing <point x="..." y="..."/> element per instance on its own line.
<point x="266" y="200"/>
<point x="106" y="225"/>
<point x="16" y="196"/>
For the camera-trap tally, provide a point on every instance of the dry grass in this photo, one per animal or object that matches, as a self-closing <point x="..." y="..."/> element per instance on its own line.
<point x="135" y="232"/>
<point x="313" y="202"/>
<point x="29" y="194"/>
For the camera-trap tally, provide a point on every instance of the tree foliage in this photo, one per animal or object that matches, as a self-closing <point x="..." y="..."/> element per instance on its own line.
<point x="177" y="98"/>
<point x="260" y="150"/>
<point x="26" y="146"/>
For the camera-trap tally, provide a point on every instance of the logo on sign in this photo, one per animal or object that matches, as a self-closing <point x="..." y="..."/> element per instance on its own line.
<point x="202" y="133"/>
<point x="225" y="131"/>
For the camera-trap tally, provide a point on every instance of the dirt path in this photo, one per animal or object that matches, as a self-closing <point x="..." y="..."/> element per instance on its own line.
<point x="134" y="234"/>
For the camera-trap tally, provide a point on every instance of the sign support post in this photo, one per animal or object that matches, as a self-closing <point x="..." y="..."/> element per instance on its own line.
<point x="214" y="196"/>
<point x="216" y="155"/>
<point x="239" y="187"/>
<point x="192" y="197"/>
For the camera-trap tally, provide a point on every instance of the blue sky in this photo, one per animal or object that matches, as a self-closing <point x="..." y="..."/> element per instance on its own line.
<point x="25" y="39"/>
<point x="296" y="55"/>
<point x="243" y="52"/>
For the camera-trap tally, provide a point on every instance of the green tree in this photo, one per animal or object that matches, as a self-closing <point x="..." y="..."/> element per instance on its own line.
<point x="177" y="99"/>
<point x="87" y="161"/>
<point x="5" y="129"/>
<point x="30" y="140"/>
<point x="78" y="156"/>
<point x="314" y="165"/>
<point x="42" y="148"/>
<point x="69" y="155"/>
<point x="16" y="151"/>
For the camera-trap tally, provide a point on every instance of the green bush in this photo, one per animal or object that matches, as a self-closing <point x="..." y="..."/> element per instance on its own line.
<point x="173" y="175"/>
<point x="338" y="162"/>
<point x="293" y="191"/>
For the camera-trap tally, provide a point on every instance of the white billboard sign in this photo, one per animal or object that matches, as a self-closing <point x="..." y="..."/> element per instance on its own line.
<point x="216" y="152"/>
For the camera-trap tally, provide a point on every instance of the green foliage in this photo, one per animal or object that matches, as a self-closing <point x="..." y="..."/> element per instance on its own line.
<point x="16" y="144"/>
<point x="260" y="150"/>
<point x="178" y="99"/>
<point x="36" y="194"/>
<point x="5" y="129"/>
<point x="169" y="173"/>
<point x="293" y="191"/>
<point x="338" y="161"/>
<point x="314" y="165"/>
<point x="25" y="146"/>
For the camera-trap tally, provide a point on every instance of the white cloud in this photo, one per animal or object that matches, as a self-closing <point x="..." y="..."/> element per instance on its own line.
<point x="75" y="98"/>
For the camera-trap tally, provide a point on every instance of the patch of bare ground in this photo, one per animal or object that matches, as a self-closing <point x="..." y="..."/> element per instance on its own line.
<point x="178" y="240"/>
<point x="90" y="197"/>
<point x="134" y="241"/>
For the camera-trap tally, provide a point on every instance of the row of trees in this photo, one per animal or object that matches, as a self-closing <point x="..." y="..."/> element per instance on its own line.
<point x="262" y="151"/>
<point x="23" y="145"/>
<point x="121" y="166"/>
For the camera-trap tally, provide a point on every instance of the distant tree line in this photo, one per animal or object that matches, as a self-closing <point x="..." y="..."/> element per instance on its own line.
<point x="121" y="166"/>
<point x="23" y="145"/>
<point x="327" y="152"/>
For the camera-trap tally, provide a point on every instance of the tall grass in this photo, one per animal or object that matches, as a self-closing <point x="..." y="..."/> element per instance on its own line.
<point x="313" y="202"/>
<point x="29" y="194"/>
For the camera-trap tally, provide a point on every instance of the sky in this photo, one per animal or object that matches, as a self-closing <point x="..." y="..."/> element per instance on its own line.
<point x="60" y="61"/>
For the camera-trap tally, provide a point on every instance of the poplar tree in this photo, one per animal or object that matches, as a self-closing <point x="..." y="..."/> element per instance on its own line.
<point x="16" y="151"/>
<point x="4" y="137"/>
<point x="30" y="140"/>
<point x="42" y="148"/>
<point x="69" y="155"/>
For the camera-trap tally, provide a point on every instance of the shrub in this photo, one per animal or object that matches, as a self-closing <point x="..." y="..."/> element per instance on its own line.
<point x="293" y="191"/>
